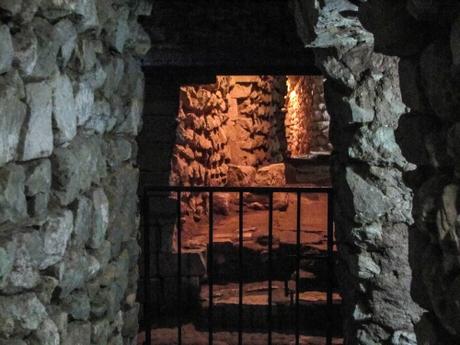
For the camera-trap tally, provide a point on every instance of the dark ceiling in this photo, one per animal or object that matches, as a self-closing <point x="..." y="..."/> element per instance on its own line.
<point x="228" y="36"/>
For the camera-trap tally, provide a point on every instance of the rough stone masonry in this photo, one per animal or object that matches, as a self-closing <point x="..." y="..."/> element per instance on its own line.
<point x="425" y="35"/>
<point x="71" y="95"/>
<point x="374" y="204"/>
<point x="393" y="93"/>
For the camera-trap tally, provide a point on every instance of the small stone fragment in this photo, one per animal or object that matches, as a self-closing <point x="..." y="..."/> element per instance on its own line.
<point x="13" y="207"/>
<point x="13" y="112"/>
<point x="78" y="332"/>
<point x="101" y="218"/>
<point x="83" y="215"/>
<point x="57" y="233"/>
<point x="77" y="304"/>
<point x="84" y="101"/>
<point x="38" y="140"/>
<point x="25" y="50"/>
<point x="64" y="110"/>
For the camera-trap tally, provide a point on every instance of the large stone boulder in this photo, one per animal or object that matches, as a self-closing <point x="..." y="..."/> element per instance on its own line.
<point x="222" y="202"/>
<point x="261" y="201"/>
<point x="240" y="175"/>
<point x="271" y="175"/>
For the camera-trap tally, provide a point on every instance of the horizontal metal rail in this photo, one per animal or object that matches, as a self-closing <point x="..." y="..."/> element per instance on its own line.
<point x="211" y="190"/>
<point x="261" y="190"/>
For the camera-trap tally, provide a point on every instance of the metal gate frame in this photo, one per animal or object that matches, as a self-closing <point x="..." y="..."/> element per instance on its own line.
<point x="147" y="310"/>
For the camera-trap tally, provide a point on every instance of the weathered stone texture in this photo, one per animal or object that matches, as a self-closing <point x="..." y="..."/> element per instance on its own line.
<point x="429" y="85"/>
<point x="38" y="139"/>
<point x="6" y="49"/>
<point x="68" y="182"/>
<point x="373" y="204"/>
<point x="238" y="120"/>
<point x="306" y="120"/>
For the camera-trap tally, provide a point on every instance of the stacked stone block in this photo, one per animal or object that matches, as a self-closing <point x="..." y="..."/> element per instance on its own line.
<point x="299" y="107"/>
<point x="237" y="120"/>
<point x="200" y="155"/>
<point x="255" y="123"/>
<point x="71" y="94"/>
<point x="306" y="120"/>
<point x="320" y="119"/>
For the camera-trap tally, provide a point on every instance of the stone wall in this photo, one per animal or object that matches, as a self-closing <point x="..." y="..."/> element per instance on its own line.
<point x="373" y="202"/>
<point x="320" y="119"/>
<point x="299" y="106"/>
<point x="71" y="94"/>
<point x="238" y="121"/>
<point x="306" y="119"/>
<point x="200" y="153"/>
<point x="256" y="120"/>
<point x="426" y="37"/>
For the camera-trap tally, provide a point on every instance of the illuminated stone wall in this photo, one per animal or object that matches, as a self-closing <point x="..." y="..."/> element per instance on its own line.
<point x="298" y="110"/>
<point x="320" y="119"/>
<point x="238" y="120"/>
<point x="307" y="120"/>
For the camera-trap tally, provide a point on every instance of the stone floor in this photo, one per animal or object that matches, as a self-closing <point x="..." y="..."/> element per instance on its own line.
<point x="256" y="293"/>
<point x="312" y="299"/>
<point x="313" y="225"/>
<point x="192" y="336"/>
<point x="312" y="308"/>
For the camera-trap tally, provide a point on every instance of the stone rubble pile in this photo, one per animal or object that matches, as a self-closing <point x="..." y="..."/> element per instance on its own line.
<point x="71" y="95"/>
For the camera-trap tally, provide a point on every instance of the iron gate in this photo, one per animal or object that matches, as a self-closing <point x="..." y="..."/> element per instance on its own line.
<point x="269" y="191"/>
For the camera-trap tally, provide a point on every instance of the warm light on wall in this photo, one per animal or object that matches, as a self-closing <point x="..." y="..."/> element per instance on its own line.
<point x="298" y="110"/>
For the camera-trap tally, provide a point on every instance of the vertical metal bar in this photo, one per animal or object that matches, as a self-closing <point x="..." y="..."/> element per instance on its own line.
<point x="240" y="270"/>
<point x="179" y="269"/>
<point x="270" y="266"/>
<point x="330" y="263"/>
<point x="147" y="290"/>
<point x="210" y="266"/>
<point x="297" y="282"/>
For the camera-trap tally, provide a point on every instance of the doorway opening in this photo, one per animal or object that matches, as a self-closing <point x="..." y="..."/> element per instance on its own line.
<point x="241" y="133"/>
